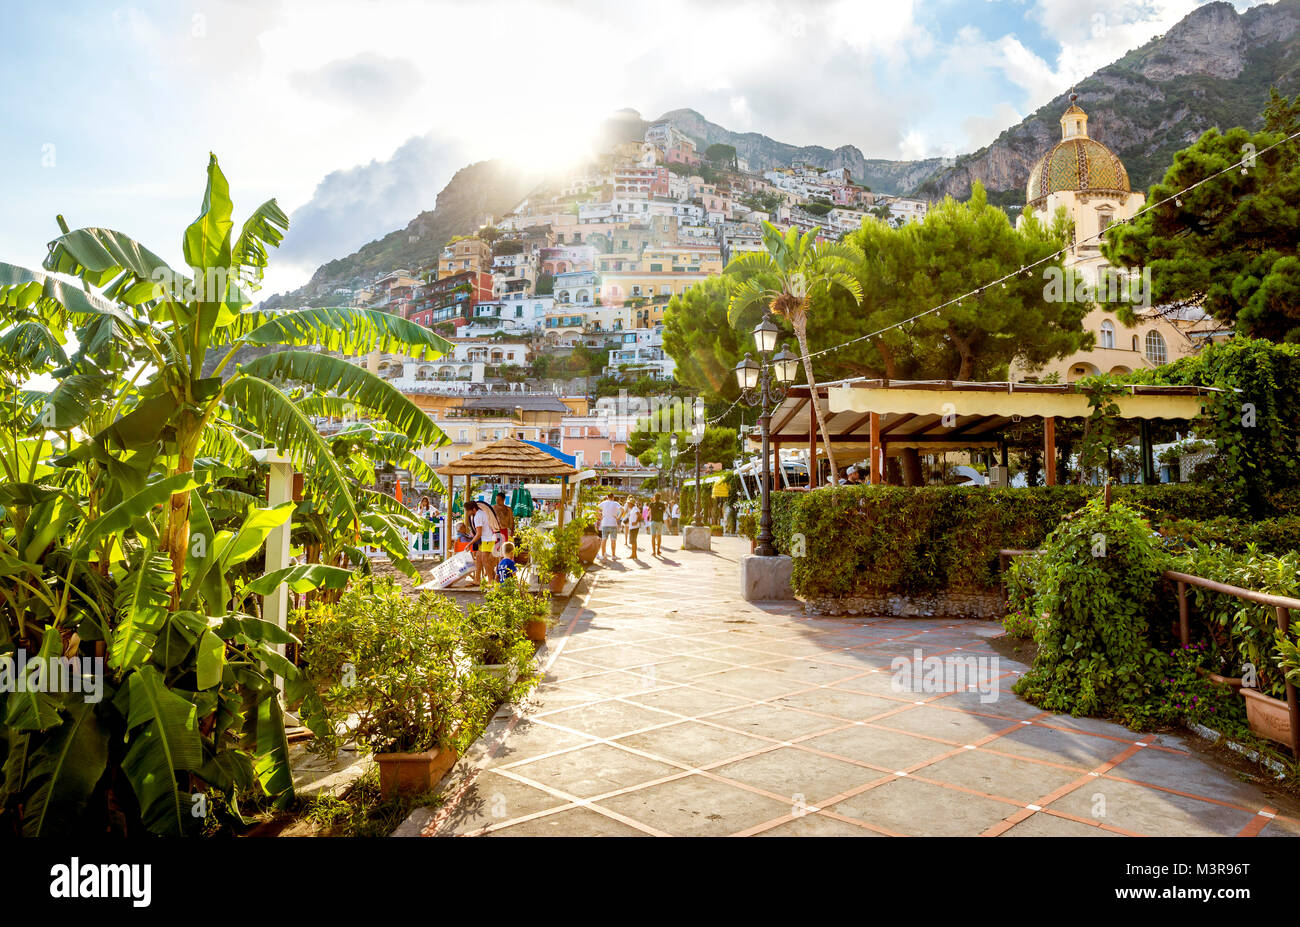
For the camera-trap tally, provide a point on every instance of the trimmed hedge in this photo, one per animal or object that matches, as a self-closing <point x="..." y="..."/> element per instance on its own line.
<point x="864" y="540"/>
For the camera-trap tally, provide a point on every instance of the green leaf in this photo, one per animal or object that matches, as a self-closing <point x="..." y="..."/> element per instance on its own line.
<point x="211" y="660"/>
<point x="164" y="741"/>
<point x="30" y="710"/>
<point x="118" y="519"/>
<point x="263" y="229"/>
<point x="338" y="376"/>
<point x="63" y="771"/>
<point x="305" y="577"/>
<point x="207" y="240"/>
<point x="346" y="330"/>
<point x="141" y="604"/>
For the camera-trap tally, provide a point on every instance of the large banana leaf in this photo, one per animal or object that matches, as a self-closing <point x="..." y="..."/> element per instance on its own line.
<point x="263" y="229"/>
<point x="284" y="426"/>
<point x="121" y="517"/>
<point x="164" y="741"/>
<point x="63" y="768"/>
<point x="33" y="709"/>
<point x="100" y="255"/>
<point x="207" y="241"/>
<point x="344" y="329"/>
<point x="340" y="377"/>
<point x="304" y="577"/>
<point x="21" y="288"/>
<point x="143" y="597"/>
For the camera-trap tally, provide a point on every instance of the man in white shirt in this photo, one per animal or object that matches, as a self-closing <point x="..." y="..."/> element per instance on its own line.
<point x="675" y="517"/>
<point x="610" y="511"/>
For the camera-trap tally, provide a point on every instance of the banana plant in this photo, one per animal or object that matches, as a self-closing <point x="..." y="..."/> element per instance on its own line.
<point x="126" y="407"/>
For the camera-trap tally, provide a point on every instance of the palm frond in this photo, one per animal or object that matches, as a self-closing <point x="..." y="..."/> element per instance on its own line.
<point x="263" y="229"/>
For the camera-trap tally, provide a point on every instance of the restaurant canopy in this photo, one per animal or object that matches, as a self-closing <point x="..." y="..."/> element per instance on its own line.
<point x="876" y="418"/>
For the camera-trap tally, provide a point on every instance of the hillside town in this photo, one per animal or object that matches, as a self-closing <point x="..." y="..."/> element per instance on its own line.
<point x="587" y="265"/>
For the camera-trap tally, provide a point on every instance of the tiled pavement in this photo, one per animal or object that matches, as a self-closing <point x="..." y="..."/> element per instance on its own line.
<point x="671" y="706"/>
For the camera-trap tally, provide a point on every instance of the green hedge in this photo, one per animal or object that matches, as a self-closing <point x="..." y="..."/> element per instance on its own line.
<point x="891" y="539"/>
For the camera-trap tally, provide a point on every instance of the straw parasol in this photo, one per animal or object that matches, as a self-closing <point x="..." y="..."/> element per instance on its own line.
<point x="509" y="457"/>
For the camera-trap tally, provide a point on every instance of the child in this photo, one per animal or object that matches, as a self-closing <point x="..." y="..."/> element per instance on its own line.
<point x="506" y="566"/>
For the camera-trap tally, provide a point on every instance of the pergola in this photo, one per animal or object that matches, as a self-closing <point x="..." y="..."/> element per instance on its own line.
<point x="876" y="418"/>
<point x="507" y="459"/>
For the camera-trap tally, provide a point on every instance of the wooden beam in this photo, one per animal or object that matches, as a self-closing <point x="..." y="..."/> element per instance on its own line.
<point x="876" y="476"/>
<point x="1049" y="452"/>
<point x="776" y="429"/>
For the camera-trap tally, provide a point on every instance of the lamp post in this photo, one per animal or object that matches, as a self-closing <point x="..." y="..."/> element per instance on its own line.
<point x="672" y="462"/>
<point x="697" y="438"/>
<point x="757" y="387"/>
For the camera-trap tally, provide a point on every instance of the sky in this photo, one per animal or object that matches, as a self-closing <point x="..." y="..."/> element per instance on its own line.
<point x="355" y="114"/>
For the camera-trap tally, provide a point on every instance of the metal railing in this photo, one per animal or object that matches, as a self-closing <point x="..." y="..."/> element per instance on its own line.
<point x="1282" y="606"/>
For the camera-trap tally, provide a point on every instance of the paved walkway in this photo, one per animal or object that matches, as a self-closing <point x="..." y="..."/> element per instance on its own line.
<point x="671" y="706"/>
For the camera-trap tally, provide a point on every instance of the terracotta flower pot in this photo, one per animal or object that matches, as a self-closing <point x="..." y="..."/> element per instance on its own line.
<point x="535" y="631"/>
<point x="588" y="548"/>
<point x="412" y="773"/>
<point x="557" y="583"/>
<point x="1232" y="682"/>
<point x="1268" y="716"/>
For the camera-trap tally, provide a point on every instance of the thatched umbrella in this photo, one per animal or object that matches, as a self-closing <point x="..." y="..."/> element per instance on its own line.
<point x="506" y="459"/>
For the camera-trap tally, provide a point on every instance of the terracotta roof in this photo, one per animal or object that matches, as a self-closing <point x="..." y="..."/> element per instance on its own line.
<point x="508" y="457"/>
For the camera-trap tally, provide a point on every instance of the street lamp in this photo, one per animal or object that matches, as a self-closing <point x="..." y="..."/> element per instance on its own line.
<point x="672" y="462"/>
<point x="757" y="388"/>
<point x="697" y="438"/>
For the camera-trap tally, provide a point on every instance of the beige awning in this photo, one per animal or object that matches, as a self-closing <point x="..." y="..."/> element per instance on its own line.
<point x="1147" y="402"/>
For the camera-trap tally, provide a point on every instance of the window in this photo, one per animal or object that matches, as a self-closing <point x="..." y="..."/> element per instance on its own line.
<point x="1107" y="334"/>
<point x="656" y="268"/>
<point x="1135" y="342"/>
<point x="607" y="457"/>
<point x="1156" y="352"/>
<point x="1104" y="218"/>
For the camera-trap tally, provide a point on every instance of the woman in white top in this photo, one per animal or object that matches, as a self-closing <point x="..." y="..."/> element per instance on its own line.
<point x="632" y="520"/>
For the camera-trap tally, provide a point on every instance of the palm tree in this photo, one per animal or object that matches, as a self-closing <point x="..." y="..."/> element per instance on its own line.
<point x="791" y="277"/>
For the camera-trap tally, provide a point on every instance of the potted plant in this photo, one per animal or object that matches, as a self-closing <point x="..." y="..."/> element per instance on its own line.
<point x="555" y="554"/>
<point x="387" y="671"/>
<point x="499" y="643"/>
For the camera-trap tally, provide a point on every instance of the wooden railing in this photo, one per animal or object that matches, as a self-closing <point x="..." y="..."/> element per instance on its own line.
<point x="1282" y="606"/>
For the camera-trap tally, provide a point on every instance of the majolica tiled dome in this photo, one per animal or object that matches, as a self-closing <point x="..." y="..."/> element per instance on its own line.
<point x="1076" y="162"/>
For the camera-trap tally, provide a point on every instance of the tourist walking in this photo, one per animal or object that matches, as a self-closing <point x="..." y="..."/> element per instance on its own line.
<point x="675" y="518"/>
<point x="656" y="509"/>
<point x="610" y="512"/>
<point x="633" y="520"/>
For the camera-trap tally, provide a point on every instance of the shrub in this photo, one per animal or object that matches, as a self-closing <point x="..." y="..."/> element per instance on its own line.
<point x="1095" y="583"/>
<point x="398" y="662"/>
<point x="496" y="635"/>
<point x="1243" y="633"/>
<point x="878" y="539"/>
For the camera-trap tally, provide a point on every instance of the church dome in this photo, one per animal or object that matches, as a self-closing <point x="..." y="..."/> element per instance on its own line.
<point x="1076" y="162"/>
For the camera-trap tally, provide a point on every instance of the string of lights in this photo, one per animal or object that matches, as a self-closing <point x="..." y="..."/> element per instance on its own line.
<point x="1243" y="164"/>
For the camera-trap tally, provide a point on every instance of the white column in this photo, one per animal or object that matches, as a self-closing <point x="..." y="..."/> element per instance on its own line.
<point x="275" y="605"/>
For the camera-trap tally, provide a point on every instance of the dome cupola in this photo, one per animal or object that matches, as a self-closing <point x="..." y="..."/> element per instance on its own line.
<point x="1077" y="163"/>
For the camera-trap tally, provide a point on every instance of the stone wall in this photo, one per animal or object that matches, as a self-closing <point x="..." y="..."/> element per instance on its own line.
<point x="942" y="605"/>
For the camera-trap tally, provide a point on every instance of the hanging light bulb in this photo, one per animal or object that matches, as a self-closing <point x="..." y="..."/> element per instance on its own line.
<point x="1178" y="201"/>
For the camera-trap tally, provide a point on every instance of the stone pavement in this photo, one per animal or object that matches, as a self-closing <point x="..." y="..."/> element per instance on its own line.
<point x="670" y="706"/>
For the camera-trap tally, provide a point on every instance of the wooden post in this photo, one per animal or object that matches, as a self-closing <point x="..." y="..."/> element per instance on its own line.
<point x="812" y="447"/>
<point x="564" y="492"/>
<point x="447" y="485"/>
<point x="877" y="476"/>
<point x="1292" y="700"/>
<point x="1049" y="454"/>
<point x="1184" y="626"/>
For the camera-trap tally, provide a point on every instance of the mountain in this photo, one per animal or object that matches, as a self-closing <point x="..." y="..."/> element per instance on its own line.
<point x="1214" y="68"/>
<point x="483" y="189"/>
<point x="763" y="153"/>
